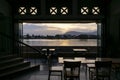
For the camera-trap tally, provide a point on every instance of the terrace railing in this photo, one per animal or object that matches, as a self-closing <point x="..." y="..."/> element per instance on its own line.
<point x="11" y="46"/>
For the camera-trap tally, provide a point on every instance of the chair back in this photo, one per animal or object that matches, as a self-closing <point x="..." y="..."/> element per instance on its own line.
<point x="49" y="59"/>
<point x="72" y="67"/>
<point x="103" y="69"/>
<point x="72" y="64"/>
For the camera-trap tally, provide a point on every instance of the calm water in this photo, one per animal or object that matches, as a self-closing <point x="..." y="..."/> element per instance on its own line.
<point x="61" y="42"/>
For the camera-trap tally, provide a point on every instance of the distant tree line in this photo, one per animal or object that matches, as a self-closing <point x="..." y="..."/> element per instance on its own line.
<point x="58" y="36"/>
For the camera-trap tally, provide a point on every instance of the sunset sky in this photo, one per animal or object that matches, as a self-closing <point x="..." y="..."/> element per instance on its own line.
<point x="57" y="28"/>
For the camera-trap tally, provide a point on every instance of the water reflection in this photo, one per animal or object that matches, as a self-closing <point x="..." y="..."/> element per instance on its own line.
<point x="65" y="43"/>
<point x="61" y="42"/>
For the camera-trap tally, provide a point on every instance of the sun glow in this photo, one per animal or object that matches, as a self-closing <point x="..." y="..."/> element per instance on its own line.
<point x="64" y="27"/>
<point x="59" y="28"/>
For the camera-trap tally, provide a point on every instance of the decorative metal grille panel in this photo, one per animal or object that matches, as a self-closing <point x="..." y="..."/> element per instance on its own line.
<point x="95" y="10"/>
<point x="84" y="10"/>
<point x="22" y="10"/>
<point x="53" y="10"/>
<point x="91" y="7"/>
<point x="64" y="10"/>
<point x="27" y="7"/>
<point x="59" y="7"/>
<point x="33" y="10"/>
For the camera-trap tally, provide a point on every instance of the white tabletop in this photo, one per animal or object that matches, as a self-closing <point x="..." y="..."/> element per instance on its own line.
<point x="51" y="49"/>
<point x="82" y="59"/>
<point x="79" y="49"/>
<point x="88" y="61"/>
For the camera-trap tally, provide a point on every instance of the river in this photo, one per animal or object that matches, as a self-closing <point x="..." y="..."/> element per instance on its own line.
<point x="61" y="42"/>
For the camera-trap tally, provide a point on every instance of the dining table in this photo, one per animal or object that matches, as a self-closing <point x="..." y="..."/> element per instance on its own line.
<point x="83" y="60"/>
<point x="90" y="63"/>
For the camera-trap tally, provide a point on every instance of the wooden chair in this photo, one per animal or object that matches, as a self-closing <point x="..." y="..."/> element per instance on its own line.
<point x="102" y="70"/>
<point x="72" y="70"/>
<point x="54" y="70"/>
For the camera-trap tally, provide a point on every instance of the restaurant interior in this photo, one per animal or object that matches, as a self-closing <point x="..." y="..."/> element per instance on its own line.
<point x="21" y="61"/>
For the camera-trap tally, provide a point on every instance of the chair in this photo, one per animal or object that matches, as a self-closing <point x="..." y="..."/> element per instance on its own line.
<point x="102" y="70"/>
<point x="54" y="69"/>
<point x="72" y="70"/>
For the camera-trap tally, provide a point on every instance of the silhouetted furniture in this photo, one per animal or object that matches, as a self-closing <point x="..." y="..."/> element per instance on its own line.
<point x="90" y="55"/>
<point x="72" y="70"/>
<point x="102" y="70"/>
<point x="116" y="70"/>
<point x="54" y="70"/>
<point x="64" y="52"/>
<point x="48" y="51"/>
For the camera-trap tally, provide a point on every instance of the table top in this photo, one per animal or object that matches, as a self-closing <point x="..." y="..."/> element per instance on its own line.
<point x="82" y="59"/>
<point x="113" y="65"/>
<point x="51" y="49"/>
<point x="88" y="61"/>
<point x="114" y="60"/>
<point x="80" y="50"/>
<point x="91" y="65"/>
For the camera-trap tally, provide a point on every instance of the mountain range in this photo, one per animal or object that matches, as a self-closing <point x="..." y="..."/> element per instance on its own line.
<point x="80" y="33"/>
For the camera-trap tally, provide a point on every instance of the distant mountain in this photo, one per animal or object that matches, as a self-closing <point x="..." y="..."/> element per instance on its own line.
<point x="92" y="33"/>
<point x="79" y="33"/>
<point x="73" y="33"/>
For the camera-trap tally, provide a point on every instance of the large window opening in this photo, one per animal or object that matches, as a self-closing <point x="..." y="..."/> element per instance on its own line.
<point x="60" y="34"/>
<point x="51" y="35"/>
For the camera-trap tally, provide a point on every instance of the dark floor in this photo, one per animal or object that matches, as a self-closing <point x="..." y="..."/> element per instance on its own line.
<point x="42" y="74"/>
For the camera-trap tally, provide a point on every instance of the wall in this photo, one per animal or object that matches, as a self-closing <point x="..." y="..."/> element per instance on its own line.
<point x="5" y="27"/>
<point x="113" y="40"/>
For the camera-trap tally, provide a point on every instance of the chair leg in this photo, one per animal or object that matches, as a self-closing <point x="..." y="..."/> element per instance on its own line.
<point x="61" y="76"/>
<point x="49" y="76"/>
<point x="65" y="78"/>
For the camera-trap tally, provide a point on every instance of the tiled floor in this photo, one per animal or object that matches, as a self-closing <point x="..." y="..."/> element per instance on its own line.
<point x="42" y="74"/>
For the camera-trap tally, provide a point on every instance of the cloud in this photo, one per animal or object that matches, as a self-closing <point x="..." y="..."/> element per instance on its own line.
<point x="57" y="28"/>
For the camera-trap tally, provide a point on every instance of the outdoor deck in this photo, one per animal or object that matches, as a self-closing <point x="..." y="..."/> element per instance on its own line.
<point x="86" y="51"/>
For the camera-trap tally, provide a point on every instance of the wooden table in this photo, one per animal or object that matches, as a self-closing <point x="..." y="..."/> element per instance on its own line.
<point x="83" y="60"/>
<point x="80" y="50"/>
<point x="115" y="63"/>
<point x="89" y="63"/>
<point x="48" y="50"/>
